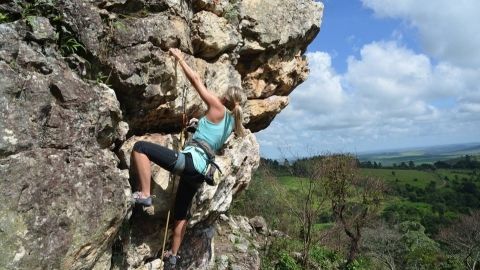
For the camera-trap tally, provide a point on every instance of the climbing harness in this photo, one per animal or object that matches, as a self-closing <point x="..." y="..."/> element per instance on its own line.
<point x="213" y="173"/>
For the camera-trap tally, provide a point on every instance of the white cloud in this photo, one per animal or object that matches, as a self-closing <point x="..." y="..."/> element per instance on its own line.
<point x="323" y="91"/>
<point x="389" y="97"/>
<point x="448" y="30"/>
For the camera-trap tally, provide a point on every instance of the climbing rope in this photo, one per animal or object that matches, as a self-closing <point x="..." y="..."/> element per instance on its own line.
<point x="181" y="144"/>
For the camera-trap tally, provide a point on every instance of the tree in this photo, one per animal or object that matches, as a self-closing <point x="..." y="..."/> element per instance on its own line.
<point x="383" y="244"/>
<point x="306" y="204"/>
<point x="419" y="251"/>
<point x="442" y="165"/>
<point x="354" y="199"/>
<point x="463" y="239"/>
<point x="411" y="164"/>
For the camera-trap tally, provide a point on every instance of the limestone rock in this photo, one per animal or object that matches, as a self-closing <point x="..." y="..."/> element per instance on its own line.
<point x="276" y="77"/>
<point x="162" y="30"/>
<point x="236" y="248"/>
<point x="69" y="217"/>
<point x="105" y="261"/>
<point x="263" y="42"/>
<point x="259" y="224"/>
<point x="41" y="29"/>
<point x="82" y="81"/>
<point x="239" y="158"/>
<point x="212" y="35"/>
<point x="271" y="28"/>
<point x="262" y="111"/>
<point x="63" y="198"/>
<point x="218" y="7"/>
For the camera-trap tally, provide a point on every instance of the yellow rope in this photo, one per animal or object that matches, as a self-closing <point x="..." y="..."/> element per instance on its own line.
<point x="180" y="146"/>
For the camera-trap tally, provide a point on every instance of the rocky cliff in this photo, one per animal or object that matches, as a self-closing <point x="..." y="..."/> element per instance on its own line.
<point x="82" y="80"/>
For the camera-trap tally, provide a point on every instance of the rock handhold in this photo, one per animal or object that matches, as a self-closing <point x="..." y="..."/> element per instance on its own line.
<point x="212" y="35"/>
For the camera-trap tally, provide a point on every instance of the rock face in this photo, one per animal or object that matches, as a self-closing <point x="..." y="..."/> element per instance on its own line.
<point x="237" y="243"/>
<point x="81" y="81"/>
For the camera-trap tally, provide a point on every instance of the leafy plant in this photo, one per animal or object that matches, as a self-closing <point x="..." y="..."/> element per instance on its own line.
<point x="44" y="8"/>
<point x="102" y="78"/>
<point x="4" y="18"/>
<point x="31" y="21"/>
<point x="70" y="45"/>
<point x="286" y="262"/>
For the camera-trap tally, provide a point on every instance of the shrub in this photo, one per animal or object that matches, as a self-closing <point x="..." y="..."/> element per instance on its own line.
<point x="286" y="262"/>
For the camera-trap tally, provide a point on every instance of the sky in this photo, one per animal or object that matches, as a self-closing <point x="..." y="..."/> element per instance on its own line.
<point x="384" y="74"/>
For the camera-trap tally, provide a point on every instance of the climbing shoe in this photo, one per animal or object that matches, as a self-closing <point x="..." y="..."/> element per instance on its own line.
<point x="145" y="203"/>
<point x="170" y="259"/>
<point x="137" y="199"/>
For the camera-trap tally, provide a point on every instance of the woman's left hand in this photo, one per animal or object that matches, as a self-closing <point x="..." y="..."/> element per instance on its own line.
<point x="176" y="53"/>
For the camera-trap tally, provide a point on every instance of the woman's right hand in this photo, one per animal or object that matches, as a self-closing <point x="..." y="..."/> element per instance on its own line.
<point x="176" y="53"/>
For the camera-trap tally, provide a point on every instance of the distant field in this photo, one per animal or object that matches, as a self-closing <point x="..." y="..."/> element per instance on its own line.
<point x="427" y="155"/>
<point x="409" y="196"/>
<point x="413" y="177"/>
<point x="291" y="182"/>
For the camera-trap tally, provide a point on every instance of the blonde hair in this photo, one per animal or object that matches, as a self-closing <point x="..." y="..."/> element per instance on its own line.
<point x="235" y="99"/>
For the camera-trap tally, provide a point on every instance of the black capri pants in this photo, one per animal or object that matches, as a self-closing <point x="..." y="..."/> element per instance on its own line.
<point x="190" y="179"/>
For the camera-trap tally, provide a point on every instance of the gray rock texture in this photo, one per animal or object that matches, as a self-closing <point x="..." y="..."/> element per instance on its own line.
<point x="236" y="244"/>
<point x="81" y="81"/>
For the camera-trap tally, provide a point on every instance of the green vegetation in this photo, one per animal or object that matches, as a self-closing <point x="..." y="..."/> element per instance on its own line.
<point x="70" y="45"/>
<point x="412" y="177"/>
<point x="4" y="18"/>
<point x="422" y="220"/>
<point x="46" y="8"/>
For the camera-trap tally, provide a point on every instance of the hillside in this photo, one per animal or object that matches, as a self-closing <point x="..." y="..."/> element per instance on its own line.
<point x="420" y="155"/>
<point x="421" y="205"/>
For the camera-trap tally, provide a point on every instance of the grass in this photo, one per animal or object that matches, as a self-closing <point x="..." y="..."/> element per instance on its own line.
<point x="323" y="226"/>
<point x="454" y="174"/>
<point x="291" y="182"/>
<point x="412" y="177"/>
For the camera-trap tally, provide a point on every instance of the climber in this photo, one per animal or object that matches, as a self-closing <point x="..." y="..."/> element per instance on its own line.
<point x="223" y="116"/>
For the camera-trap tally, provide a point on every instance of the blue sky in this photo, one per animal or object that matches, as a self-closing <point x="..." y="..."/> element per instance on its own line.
<point x="384" y="74"/>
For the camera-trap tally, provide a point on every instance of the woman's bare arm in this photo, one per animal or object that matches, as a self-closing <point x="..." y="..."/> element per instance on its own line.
<point x="216" y="109"/>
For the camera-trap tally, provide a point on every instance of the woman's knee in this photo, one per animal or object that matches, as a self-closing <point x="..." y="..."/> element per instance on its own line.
<point x="139" y="147"/>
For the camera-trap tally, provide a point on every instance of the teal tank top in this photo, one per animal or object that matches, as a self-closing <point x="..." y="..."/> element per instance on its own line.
<point x="214" y="134"/>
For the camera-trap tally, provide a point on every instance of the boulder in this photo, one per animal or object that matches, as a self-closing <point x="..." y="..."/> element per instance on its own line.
<point x="57" y="210"/>
<point x="259" y="224"/>
<point x="63" y="199"/>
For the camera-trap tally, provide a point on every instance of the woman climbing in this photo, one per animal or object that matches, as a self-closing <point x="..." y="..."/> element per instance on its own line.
<point x="214" y="128"/>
